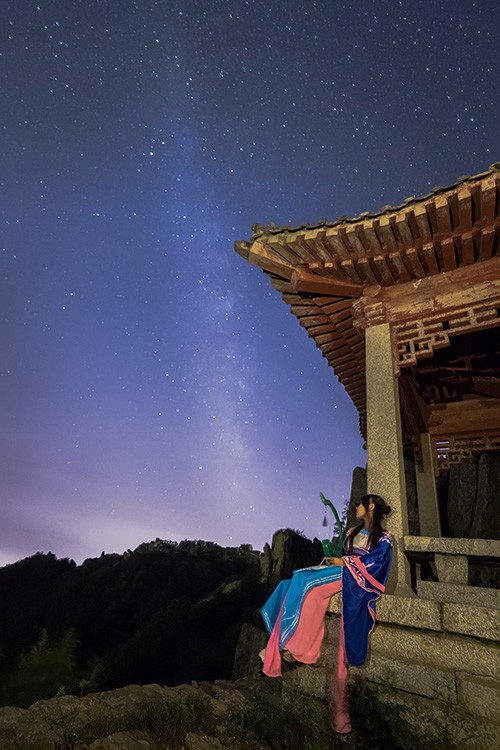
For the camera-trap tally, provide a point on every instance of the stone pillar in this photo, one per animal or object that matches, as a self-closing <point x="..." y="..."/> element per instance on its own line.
<point x="428" y="506"/>
<point x="386" y="476"/>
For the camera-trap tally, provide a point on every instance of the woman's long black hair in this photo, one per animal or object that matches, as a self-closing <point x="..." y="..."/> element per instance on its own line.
<point x="380" y="511"/>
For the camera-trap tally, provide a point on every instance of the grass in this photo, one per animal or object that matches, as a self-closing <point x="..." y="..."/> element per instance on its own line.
<point x="166" y="718"/>
<point x="266" y="722"/>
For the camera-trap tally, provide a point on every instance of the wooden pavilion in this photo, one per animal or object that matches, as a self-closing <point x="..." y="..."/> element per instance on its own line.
<point x="404" y="305"/>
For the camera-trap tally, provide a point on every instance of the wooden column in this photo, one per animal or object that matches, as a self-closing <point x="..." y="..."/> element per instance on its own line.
<point x="428" y="507"/>
<point x="385" y="449"/>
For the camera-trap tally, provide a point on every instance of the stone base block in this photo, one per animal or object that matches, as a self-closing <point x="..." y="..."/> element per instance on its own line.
<point x="442" y="650"/>
<point x="456" y="594"/>
<point x="479" y="622"/>
<point x="401" y="610"/>
<point x="481" y="696"/>
<point x="412" y="678"/>
<point x="446" y="726"/>
<point x="409" y="612"/>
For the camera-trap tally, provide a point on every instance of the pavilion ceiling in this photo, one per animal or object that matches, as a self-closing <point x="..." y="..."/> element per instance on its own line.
<point x="446" y="242"/>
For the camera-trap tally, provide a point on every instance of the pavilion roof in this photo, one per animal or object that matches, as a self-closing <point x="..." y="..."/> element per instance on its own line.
<point x="322" y="269"/>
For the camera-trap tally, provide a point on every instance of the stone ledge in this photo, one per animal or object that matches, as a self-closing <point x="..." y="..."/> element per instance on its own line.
<point x="416" y="679"/>
<point x="401" y="610"/>
<point x="480" y="695"/>
<point x="468" y="547"/>
<point x="409" y="612"/>
<point x="456" y="594"/>
<point x="455" y="653"/>
<point x="479" y="622"/>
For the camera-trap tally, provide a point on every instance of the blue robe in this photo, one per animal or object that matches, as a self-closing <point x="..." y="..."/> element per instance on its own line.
<point x="363" y="582"/>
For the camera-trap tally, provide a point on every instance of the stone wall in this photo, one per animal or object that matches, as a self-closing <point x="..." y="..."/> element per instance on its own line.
<point x="440" y="658"/>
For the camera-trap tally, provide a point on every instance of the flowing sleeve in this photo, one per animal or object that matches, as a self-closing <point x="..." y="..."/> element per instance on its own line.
<point x="363" y="582"/>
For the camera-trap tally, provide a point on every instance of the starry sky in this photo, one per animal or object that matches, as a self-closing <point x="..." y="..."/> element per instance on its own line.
<point x="152" y="383"/>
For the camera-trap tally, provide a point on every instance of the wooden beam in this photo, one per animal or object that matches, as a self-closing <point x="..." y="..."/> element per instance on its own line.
<point x="334" y="241"/>
<point x="353" y="241"/>
<point x="488" y="201"/>
<point x="259" y="255"/>
<point x="455" y="418"/>
<point x="415" y="410"/>
<point x="348" y="267"/>
<point x="467" y="249"/>
<point x="371" y="241"/>
<point x="304" y="281"/>
<point x="486" y="243"/>
<point x="443" y="214"/>
<point x="397" y="266"/>
<point x="411" y="255"/>
<point x="365" y="271"/>
<point x="445" y="291"/>
<point x="386" y="236"/>
<point x="465" y="209"/>
<point x="383" y="270"/>
<point x="448" y="254"/>
<point x="422" y="220"/>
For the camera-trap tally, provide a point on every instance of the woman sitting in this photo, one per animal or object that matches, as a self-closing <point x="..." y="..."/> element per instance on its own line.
<point x="294" y="614"/>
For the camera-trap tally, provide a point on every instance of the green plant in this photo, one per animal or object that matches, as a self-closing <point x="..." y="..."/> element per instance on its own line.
<point x="48" y="668"/>
<point x="267" y="722"/>
<point x="380" y="722"/>
<point x="83" y="684"/>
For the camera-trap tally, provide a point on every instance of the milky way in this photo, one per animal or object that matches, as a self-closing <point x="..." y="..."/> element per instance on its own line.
<point x="152" y="383"/>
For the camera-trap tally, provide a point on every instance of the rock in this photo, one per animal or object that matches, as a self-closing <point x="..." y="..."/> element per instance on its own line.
<point x="202" y="742"/>
<point x="485" y="518"/>
<point x="128" y="718"/>
<point x="266" y="564"/>
<point x="9" y="721"/>
<point x="225" y="698"/>
<point x="289" y="551"/>
<point x="246" y="659"/>
<point x="134" y="740"/>
<point x="462" y="497"/>
<point x="358" y="489"/>
<point x="474" y="496"/>
<point x="230" y="588"/>
<point x="411" y="494"/>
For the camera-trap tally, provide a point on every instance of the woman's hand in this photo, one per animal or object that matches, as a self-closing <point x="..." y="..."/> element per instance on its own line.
<point x="334" y="561"/>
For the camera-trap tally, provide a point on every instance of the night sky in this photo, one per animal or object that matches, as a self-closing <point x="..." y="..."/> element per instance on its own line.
<point x="152" y="382"/>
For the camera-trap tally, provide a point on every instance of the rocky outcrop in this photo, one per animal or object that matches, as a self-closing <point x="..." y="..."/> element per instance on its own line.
<point x="358" y="489"/>
<point x="474" y="497"/>
<point x="289" y="550"/>
<point x="132" y="718"/>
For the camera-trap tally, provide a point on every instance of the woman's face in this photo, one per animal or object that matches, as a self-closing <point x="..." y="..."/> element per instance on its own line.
<point x="360" y="512"/>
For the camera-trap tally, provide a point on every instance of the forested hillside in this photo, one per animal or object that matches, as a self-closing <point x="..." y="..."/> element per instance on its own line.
<point x="167" y="612"/>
